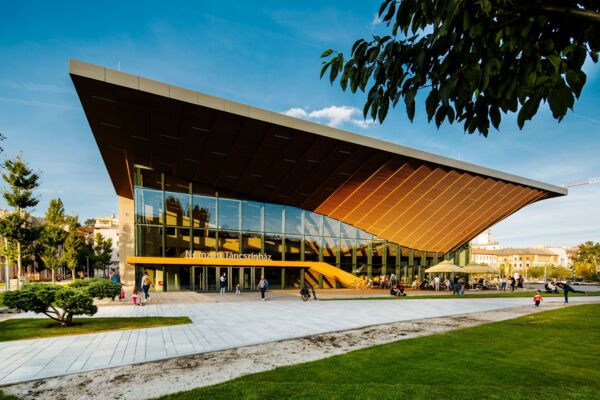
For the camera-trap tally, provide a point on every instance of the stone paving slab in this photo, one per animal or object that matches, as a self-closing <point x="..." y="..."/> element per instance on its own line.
<point x="219" y="326"/>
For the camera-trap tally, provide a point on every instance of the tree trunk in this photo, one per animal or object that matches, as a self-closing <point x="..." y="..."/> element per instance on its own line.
<point x="53" y="276"/>
<point x="6" y="265"/>
<point x="19" y="272"/>
<point x="73" y="273"/>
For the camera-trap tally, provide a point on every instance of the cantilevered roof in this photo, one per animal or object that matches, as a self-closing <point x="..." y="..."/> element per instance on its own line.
<point x="414" y="198"/>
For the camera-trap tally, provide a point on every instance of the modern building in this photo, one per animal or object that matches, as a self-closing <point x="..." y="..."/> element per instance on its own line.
<point x="207" y="185"/>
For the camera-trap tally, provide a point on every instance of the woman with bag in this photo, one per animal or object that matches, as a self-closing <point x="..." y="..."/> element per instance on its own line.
<point x="263" y="285"/>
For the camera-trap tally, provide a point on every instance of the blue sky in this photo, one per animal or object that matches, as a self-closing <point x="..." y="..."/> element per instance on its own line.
<point x="264" y="53"/>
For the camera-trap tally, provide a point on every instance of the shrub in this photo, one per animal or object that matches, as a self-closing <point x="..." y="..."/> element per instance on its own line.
<point x="60" y="303"/>
<point x="104" y="289"/>
<point x="99" y="288"/>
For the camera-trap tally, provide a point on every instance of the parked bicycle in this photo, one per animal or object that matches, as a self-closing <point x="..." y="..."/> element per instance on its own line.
<point x="307" y="292"/>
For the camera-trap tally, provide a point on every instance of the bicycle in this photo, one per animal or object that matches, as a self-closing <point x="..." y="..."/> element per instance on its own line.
<point x="306" y="294"/>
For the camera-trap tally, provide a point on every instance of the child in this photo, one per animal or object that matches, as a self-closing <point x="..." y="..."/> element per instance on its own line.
<point x="134" y="297"/>
<point x="237" y="290"/>
<point x="537" y="298"/>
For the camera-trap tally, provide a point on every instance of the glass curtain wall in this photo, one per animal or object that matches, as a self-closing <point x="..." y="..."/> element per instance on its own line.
<point x="173" y="217"/>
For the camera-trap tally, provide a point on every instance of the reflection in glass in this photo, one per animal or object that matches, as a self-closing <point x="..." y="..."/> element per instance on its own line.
<point x="362" y="257"/>
<point x="312" y="223"/>
<point x="292" y="248"/>
<point x="377" y="258"/>
<point x="348" y="231"/>
<point x="274" y="245"/>
<point x="204" y="210"/>
<point x="293" y="220"/>
<point x="148" y="178"/>
<point x="149" y="241"/>
<point x="178" y="242"/>
<point x="347" y="247"/>
<point x="391" y="258"/>
<point x="312" y="248"/>
<point x="251" y="243"/>
<point x="252" y="216"/>
<point x="229" y="242"/>
<point x="330" y="249"/>
<point x="229" y="214"/>
<point x="273" y="218"/>
<point x="331" y="227"/>
<point x="417" y="257"/>
<point x="178" y="209"/>
<point x="205" y="241"/>
<point x="148" y="206"/>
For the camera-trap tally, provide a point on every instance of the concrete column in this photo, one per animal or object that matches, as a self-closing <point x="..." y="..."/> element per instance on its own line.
<point x="126" y="239"/>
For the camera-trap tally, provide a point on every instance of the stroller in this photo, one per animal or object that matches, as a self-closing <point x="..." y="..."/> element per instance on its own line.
<point x="424" y="285"/>
<point x="305" y="293"/>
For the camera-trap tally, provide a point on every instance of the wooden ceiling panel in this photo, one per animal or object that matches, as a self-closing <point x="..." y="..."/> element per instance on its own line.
<point x="396" y="194"/>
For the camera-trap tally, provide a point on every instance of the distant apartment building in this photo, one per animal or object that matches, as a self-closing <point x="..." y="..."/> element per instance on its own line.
<point x="109" y="228"/>
<point x="516" y="258"/>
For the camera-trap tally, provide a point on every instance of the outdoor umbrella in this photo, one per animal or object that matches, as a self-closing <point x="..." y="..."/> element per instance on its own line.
<point x="474" y="268"/>
<point x="444" y="266"/>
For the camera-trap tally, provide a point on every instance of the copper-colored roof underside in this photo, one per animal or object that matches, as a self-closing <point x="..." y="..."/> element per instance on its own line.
<point x="406" y="200"/>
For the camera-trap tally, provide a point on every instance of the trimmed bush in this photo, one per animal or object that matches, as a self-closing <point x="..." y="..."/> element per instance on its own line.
<point x="60" y="303"/>
<point x="99" y="288"/>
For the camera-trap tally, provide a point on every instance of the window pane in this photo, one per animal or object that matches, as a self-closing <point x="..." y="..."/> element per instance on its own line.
<point x="348" y="231"/>
<point x="149" y="241"/>
<point x="204" y="211"/>
<point x="346" y="253"/>
<point x="273" y="218"/>
<point x="362" y="257"/>
<point x="274" y="246"/>
<point x="364" y="235"/>
<point x="312" y="223"/>
<point x="330" y="248"/>
<point x="229" y="214"/>
<point x="252" y="216"/>
<point x="312" y="245"/>
<point x="205" y="241"/>
<point x="376" y="258"/>
<point x="292" y="248"/>
<point x="293" y="220"/>
<point x="149" y="207"/>
<point x="229" y="242"/>
<point x="251" y="243"/>
<point x="331" y="227"/>
<point x="178" y="242"/>
<point x="178" y="209"/>
<point x="149" y="179"/>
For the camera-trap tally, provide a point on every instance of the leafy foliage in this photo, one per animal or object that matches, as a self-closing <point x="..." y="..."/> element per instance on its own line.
<point x="478" y="59"/>
<point x="72" y="250"/>
<point x="56" y="212"/>
<point x="587" y="261"/>
<point x="102" y="252"/>
<point x="60" y="303"/>
<point x="22" y="180"/>
<point x="99" y="288"/>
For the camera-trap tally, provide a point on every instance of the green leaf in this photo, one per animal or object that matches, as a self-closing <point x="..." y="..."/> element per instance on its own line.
<point x="327" y="53"/>
<point x="495" y="116"/>
<point x="431" y="104"/>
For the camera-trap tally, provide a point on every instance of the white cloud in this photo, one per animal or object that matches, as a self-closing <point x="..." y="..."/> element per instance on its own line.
<point x="376" y="20"/>
<point x="333" y="116"/>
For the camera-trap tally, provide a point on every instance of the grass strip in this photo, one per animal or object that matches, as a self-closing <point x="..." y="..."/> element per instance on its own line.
<point x="32" y="328"/>
<point x="543" y="355"/>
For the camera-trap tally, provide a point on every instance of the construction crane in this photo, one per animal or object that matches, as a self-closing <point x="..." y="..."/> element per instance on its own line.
<point x="581" y="182"/>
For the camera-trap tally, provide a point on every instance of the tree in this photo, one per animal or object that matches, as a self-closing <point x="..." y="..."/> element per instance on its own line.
<point x="102" y="252"/>
<point x="475" y="58"/>
<point x="52" y="238"/>
<point x="587" y="260"/>
<point x="73" y="247"/>
<point x="89" y="222"/>
<point x="21" y="181"/>
<point x="56" y="302"/>
<point x="55" y="214"/>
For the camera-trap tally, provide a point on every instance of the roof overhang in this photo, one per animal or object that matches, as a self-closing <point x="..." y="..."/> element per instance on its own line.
<point x="403" y="195"/>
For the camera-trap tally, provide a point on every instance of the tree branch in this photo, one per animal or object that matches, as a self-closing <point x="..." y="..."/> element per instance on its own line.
<point x="575" y="12"/>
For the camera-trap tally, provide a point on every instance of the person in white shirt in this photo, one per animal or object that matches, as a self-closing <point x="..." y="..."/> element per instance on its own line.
<point x="145" y="284"/>
<point x="436" y="282"/>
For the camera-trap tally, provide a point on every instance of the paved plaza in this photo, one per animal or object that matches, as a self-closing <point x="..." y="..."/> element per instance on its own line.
<point x="218" y="326"/>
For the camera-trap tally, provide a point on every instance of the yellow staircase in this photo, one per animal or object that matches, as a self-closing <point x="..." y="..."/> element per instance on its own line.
<point x="335" y="274"/>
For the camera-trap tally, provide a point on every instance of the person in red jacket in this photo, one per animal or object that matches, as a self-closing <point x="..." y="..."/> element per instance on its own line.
<point x="537" y="298"/>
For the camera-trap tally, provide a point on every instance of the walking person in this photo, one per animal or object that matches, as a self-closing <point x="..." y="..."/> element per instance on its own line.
<point x="223" y="283"/>
<point x="503" y="284"/>
<point x="513" y="283"/>
<point x="520" y="282"/>
<point x="455" y="287"/>
<point x="263" y="285"/>
<point x="436" y="282"/>
<point x="115" y="278"/>
<point x="145" y="284"/>
<point x="393" y="280"/>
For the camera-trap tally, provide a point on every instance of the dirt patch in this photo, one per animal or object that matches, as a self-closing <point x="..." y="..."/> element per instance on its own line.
<point x="189" y="372"/>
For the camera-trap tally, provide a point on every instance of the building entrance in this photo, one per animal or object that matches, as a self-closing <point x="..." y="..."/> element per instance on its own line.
<point x="207" y="278"/>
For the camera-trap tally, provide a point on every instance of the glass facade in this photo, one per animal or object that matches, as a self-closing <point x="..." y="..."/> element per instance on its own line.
<point x="172" y="218"/>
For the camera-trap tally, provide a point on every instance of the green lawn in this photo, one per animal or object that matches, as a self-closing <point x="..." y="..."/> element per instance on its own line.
<point x="1" y="299"/>
<point x="487" y="295"/>
<point x="30" y="328"/>
<point x="7" y="396"/>
<point x="554" y="354"/>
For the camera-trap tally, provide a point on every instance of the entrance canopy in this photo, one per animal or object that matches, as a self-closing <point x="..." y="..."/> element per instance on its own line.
<point x="406" y="196"/>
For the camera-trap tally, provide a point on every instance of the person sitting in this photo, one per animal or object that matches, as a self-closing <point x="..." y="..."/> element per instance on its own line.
<point x="551" y="287"/>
